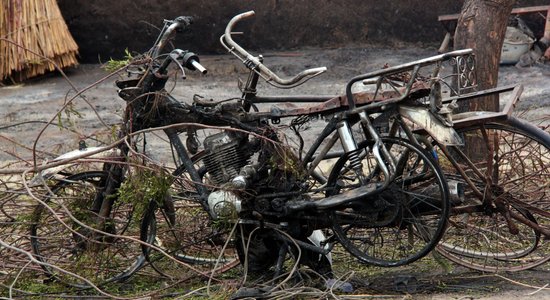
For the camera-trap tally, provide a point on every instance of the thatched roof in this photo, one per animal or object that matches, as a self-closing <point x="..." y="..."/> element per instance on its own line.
<point x="34" y="37"/>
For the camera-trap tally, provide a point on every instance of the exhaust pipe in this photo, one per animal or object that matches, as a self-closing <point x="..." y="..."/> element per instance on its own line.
<point x="456" y="192"/>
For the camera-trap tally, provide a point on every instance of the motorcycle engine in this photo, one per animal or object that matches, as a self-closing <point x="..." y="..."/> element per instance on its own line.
<point x="226" y="154"/>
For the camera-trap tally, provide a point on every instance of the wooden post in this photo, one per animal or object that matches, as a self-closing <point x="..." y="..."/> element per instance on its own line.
<point x="482" y="26"/>
<point x="546" y="36"/>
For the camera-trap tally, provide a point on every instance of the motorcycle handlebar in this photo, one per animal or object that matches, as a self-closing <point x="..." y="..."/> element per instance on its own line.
<point x="179" y="23"/>
<point x="254" y="63"/>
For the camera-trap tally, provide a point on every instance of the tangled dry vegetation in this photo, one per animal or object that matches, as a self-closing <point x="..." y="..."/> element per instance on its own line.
<point x="29" y="191"/>
<point x="25" y="185"/>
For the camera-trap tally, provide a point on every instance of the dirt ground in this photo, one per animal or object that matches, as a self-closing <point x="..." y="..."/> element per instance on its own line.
<point x="25" y="108"/>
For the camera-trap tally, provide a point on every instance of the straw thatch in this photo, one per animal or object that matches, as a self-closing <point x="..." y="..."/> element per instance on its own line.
<point x="32" y="27"/>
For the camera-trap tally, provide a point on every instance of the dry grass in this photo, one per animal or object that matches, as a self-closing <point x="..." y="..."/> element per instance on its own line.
<point x="32" y="31"/>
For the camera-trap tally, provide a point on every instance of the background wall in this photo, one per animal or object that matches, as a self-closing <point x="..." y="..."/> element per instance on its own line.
<point x="104" y="28"/>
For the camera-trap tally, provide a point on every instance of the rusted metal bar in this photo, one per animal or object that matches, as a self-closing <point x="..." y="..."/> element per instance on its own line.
<point x="460" y="170"/>
<point x="530" y="9"/>
<point x="508" y="108"/>
<point x="546" y="36"/>
<point x="362" y="100"/>
<point x="487" y="92"/>
<point x="294" y="99"/>
<point x="472" y="117"/>
<point x="448" y="20"/>
<point x="445" y="44"/>
<point x="538" y="227"/>
<point x="515" y="11"/>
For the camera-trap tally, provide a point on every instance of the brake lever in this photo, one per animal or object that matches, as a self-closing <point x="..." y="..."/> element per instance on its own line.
<point x="183" y="76"/>
<point x="175" y="55"/>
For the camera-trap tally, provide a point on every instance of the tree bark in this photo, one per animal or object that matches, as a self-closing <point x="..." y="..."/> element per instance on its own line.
<point x="482" y="26"/>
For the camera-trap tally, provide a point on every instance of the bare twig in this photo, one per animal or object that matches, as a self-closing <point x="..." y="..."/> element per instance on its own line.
<point x="79" y="222"/>
<point x="523" y="284"/>
<point x="34" y="260"/>
<point x="42" y="167"/>
<point x="16" y="278"/>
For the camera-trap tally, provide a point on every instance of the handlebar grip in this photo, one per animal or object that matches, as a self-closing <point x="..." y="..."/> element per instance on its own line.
<point x="198" y="66"/>
<point x="192" y="62"/>
<point x="315" y="70"/>
<point x="229" y="29"/>
<point x="247" y="14"/>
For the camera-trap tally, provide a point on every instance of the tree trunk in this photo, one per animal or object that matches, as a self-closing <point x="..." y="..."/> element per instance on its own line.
<point x="482" y="26"/>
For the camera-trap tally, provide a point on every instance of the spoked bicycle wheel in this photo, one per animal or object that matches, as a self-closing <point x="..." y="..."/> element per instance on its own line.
<point x="401" y="224"/>
<point x="513" y="172"/>
<point x="185" y="232"/>
<point x="70" y="235"/>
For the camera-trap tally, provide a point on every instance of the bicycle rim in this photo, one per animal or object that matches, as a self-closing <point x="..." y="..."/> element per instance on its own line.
<point x="488" y="238"/>
<point x="65" y="236"/>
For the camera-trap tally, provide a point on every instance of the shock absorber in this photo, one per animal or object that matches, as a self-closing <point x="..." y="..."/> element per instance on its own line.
<point x="350" y="147"/>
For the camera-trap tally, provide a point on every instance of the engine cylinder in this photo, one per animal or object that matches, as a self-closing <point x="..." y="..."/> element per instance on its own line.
<point x="224" y="159"/>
